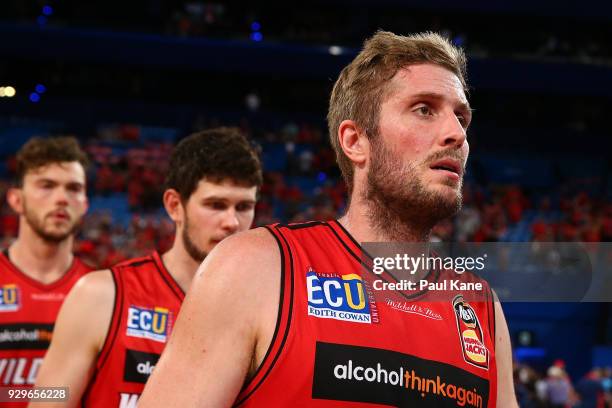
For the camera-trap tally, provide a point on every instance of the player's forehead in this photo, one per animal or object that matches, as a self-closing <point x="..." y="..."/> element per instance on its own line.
<point x="427" y="79"/>
<point x="224" y="189"/>
<point x="60" y="172"/>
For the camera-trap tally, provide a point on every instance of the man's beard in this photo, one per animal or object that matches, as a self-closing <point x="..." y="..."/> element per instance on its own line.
<point x="400" y="206"/>
<point x="194" y="252"/>
<point x="38" y="226"/>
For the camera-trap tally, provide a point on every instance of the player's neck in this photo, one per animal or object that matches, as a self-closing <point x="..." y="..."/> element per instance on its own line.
<point x="180" y="265"/>
<point x="368" y="223"/>
<point x="41" y="260"/>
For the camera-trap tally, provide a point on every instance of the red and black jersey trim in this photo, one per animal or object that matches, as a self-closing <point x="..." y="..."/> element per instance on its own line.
<point x="72" y="269"/>
<point x="167" y="277"/>
<point x="301" y="225"/>
<point x="111" y="335"/>
<point x="115" y="322"/>
<point x="347" y="240"/>
<point x="491" y="313"/>
<point x="352" y="247"/>
<point x="283" y="320"/>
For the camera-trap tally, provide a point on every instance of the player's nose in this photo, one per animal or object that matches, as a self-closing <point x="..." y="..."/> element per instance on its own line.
<point x="230" y="220"/>
<point x="452" y="133"/>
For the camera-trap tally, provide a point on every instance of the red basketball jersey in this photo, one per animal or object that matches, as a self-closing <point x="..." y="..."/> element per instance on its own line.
<point x="337" y="344"/>
<point x="147" y="302"/>
<point x="28" y="310"/>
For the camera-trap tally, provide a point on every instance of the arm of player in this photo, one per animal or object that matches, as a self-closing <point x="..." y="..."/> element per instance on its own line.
<point x="506" y="397"/>
<point x="218" y="332"/>
<point x="80" y="330"/>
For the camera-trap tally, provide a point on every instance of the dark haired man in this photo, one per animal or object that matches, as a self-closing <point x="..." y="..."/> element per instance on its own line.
<point x="39" y="268"/>
<point x="115" y="323"/>
<point x="307" y="330"/>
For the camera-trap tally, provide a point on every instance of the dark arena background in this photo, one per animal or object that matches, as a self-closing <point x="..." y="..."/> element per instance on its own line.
<point x="130" y="79"/>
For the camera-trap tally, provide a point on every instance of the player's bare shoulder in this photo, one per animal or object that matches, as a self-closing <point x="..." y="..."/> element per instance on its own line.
<point x="79" y="332"/>
<point x="98" y="285"/>
<point x="248" y="259"/>
<point x="243" y="274"/>
<point x="94" y="296"/>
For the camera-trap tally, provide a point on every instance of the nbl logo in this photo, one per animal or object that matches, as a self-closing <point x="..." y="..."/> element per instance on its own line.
<point x="147" y="323"/>
<point x="9" y="298"/>
<point x="340" y="297"/>
<point x="470" y="332"/>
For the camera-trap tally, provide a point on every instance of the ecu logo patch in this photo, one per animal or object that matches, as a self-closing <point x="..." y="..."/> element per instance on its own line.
<point x="10" y="299"/>
<point x="470" y="333"/>
<point x="148" y="323"/>
<point x="339" y="297"/>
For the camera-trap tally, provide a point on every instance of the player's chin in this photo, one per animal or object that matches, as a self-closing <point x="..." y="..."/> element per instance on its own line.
<point x="446" y="189"/>
<point x="449" y="195"/>
<point x="57" y="236"/>
<point x="60" y="229"/>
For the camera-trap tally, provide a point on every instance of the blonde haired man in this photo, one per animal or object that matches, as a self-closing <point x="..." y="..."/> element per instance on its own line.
<point x="284" y="316"/>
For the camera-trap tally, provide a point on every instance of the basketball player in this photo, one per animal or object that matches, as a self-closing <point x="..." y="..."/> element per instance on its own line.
<point x="115" y="323"/>
<point x="282" y="316"/>
<point x="39" y="268"/>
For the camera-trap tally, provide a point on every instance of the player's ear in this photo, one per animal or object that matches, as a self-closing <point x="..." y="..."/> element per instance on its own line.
<point x="86" y="204"/>
<point x="354" y="142"/>
<point x="173" y="205"/>
<point x="14" y="198"/>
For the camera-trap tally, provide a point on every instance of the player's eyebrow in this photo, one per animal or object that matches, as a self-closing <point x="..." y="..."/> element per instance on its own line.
<point x="225" y="199"/>
<point x="439" y="97"/>
<point x="46" y="180"/>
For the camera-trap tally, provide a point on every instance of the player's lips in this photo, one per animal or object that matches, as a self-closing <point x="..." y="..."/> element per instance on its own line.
<point x="450" y="167"/>
<point x="60" y="215"/>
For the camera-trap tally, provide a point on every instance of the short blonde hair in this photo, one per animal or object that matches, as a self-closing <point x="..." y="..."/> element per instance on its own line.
<point x="362" y="85"/>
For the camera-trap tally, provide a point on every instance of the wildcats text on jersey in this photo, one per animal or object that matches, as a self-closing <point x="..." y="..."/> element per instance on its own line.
<point x="19" y="371"/>
<point x="10" y="299"/>
<point x="127" y="400"/>
<point x="340" y="297"/>
<point x="148" y="323"/>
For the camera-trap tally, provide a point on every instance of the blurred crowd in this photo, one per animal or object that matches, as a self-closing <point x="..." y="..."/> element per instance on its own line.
<point x="488" y="214"/>
<point x="302" y="183"/>
<point x="582" y="219"/>
<point x="555" y="388"/>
